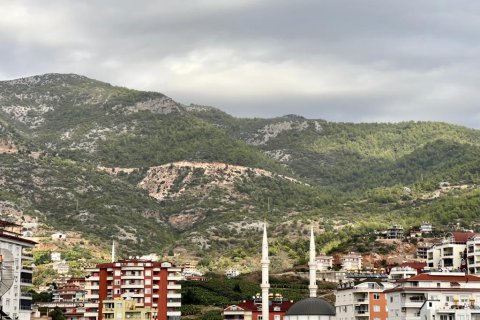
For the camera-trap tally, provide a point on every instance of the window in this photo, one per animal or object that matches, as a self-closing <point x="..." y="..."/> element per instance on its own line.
<point x="117" y="272"/>
<point x="147" y="290"/>
<point x="391" y="299"/>
<point x="148" y="272"/>
<point x="376" y="308"/>
<point x="148" y="282"/>
<point x="376" y="296"/>
<point x="276" y="317"/>
<point x="259" y="317"/>
<point x="148" y="300"/>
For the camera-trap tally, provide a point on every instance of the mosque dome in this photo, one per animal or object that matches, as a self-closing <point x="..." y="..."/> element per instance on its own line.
<point x="311" y="307"/>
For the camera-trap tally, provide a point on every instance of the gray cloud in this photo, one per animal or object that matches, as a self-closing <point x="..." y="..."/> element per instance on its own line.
<point x="340" y="60"/>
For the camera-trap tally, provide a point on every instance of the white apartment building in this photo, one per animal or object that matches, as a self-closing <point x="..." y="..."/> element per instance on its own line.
<point x="16" y="302"/>
<point x="449" y="255"/>
<point x="473" y="255"/>
<point x="364" y="300"/>
<point x="398" y="273"/>
<point x="324" y="262"/>
<point x="351" y="261"/>
<point x="435" y="296"/>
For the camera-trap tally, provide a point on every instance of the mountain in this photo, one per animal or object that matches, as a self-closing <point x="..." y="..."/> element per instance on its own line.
<point x="157" y="175"/>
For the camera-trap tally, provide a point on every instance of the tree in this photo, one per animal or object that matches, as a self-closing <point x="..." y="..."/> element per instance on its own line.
<point x="57" y="314"/>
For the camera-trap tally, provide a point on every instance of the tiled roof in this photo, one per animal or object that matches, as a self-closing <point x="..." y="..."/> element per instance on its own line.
<point x="462" y="237"/>
<point x="446" y="277"/>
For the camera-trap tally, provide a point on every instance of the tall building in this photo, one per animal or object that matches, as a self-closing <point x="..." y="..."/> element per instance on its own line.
<point x="362" y="300"/>
<point x="151" y="285"/>
<point x="16" y="301"/>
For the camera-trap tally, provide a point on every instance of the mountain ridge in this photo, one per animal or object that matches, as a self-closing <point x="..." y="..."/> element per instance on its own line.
<point x="86" y="140"/>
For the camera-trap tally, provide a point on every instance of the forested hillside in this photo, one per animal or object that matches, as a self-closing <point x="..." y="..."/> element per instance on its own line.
<point x="156" y="175"/>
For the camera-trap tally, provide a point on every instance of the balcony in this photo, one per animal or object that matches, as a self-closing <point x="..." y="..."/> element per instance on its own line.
<point x="174" y="304"/>
<point x="132" y="286"/>
<point x="132" y="277"/>
<point x="26" y="282"/>
<point x="174" y="287"/>
<point x="25" y="296"/>
<point x="174" y="313"/>
<point x="174" y="295"/>
<point x="90" y="314"/>
<point x="174" y="277"/>
<point x="27" y="256"/>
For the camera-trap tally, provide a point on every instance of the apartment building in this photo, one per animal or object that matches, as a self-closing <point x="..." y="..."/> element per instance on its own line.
<point x="151" y="285"/>
<point x="351" y="261"/>
<point x="435" y="296"/>
<point x="324" y="262"/>
<point x="450" y="253"/>
<point x="126" y="309"/>
<point x="16" y="302"/>
<point x="399" y="273"/>
<point x="362" y="300"/>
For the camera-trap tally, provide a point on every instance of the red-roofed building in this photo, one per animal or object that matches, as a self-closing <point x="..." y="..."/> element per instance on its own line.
<point x="435" y="295"/>
<point x="252" y="309"/>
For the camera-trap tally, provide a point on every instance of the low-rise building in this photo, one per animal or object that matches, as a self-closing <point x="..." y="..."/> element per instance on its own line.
<point x="324" y="262"/>
<point x="351" y="261"/>
<point x="399" y="273"/>
<point x="362" y="300"/>
<point x="252" y="309"/>
<point x="435" y="295"/>
<point x="395" y="232"/>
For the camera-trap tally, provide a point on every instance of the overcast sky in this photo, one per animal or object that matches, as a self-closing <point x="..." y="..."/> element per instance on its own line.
<point x="336" y="60"/>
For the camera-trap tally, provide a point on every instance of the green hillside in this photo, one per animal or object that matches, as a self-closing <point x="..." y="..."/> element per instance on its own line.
<point x="57" y="130"/>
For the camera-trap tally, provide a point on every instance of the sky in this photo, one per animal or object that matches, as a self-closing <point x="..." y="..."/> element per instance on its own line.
<point x="360" y="61"/>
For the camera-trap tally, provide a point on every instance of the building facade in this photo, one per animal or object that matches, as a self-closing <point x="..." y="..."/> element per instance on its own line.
<point x="351" y="262"/>
<point x="450" y="254"/>
<point x="363" y="300"/>
<point x="324" y="262"/>
<point x="126" y="309"/>
<point x="16" y="301"/>
<point x="252" y="309"/>
<point x="436" y="295"/>
<point x="151" y="285"/>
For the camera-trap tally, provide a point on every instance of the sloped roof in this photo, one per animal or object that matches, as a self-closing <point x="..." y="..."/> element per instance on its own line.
<point x="446" y="277"/>
<point x="462" y="237"/>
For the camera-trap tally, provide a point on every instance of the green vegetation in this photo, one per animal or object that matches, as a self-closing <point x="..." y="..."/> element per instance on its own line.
<point x="351" y="179"/>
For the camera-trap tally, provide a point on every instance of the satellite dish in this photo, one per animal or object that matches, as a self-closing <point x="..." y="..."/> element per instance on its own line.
<point x="6" y="270"/>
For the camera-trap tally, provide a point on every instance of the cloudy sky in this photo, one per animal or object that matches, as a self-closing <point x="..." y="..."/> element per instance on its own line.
<point x="337" y="60"/>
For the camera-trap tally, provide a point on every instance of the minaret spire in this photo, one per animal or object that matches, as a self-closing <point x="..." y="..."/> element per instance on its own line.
<point x="312" y="264"/>
<point x="113" y="251"/>
<point x="265" y="285"/>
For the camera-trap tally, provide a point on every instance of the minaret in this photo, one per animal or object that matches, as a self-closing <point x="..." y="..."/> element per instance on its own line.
<point x="312" y="264"/>
<point x="113" y="251"/>
<point x="265" y="265"/>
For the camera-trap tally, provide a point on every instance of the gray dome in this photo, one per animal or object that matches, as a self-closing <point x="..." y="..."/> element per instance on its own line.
<point x="311" y="306"/>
